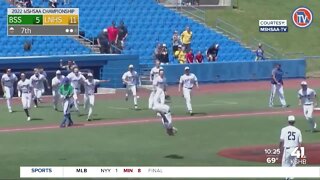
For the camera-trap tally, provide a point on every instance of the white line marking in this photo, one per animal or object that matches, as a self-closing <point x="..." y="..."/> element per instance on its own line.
<point x="139" y="121"/>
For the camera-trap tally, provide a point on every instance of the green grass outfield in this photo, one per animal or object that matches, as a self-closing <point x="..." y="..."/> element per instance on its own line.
<point x="304" y="40"/>
<point x="196" y="144"/>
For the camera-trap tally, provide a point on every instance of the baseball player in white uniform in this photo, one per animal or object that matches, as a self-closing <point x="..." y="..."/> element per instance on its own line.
<point x="76" y="79"/>
<point x="89" y="86"/>
<point x="290" y="139"/>
<point x="24" y="88"/>
<point x="308" y="99"/>
<point x="37" y="81"/>
<point x="7" y="81"/>
<point x="55" y="84"/>
<point x="160" y="83"/>
<point x="163" y="110"/>
<point x="188" y="80"/>
<point x="153" y="75"/>
<point x="131" y="80"/>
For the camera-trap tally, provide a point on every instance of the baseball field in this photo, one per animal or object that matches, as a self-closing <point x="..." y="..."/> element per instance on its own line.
<point x="232" y="126"/>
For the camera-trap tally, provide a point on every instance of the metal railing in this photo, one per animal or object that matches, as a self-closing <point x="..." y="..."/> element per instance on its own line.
<point x="229" y="29"/>
<point x="270" y="52"/>
<point x="92" y="44"/>
<point x="189" y="10"/>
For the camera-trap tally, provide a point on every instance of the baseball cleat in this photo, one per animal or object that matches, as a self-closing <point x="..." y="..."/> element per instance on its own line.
<point x="126" y="98"/>
<point x="174" y="130"/>
<point x="10" y="110"/>
<point x="191" y="113"/>
<point x="136" y="107"/>
<point x="88" y="119"/>
<point x="35" y="106"/>
<point x="29" y="119"/>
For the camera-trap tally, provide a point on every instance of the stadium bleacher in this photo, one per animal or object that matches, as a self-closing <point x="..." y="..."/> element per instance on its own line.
<point x="148" y="23"/>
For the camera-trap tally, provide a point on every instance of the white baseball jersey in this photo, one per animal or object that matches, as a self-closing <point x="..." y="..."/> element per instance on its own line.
<point x="188" y="80"/>
<point x="307" y="96"/>
<point x="38" y="81"/>
<point x="130" y="77"/>
<point x="160" y="82"/>
<point x="154" y="73"/>
<point x="291" y="136"/>
<point x="24" y="86"/>
<point x="8" y="80"/>
<point x="56" y="82"/>
<point x="89" y="86"/>
<point x="76" y="80"/>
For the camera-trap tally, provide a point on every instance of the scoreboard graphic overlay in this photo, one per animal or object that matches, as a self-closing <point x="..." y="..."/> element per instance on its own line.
<point x="43" y="21"/>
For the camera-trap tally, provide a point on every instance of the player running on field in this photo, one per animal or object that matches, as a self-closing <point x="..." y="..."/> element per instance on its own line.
<point x="308" y="99"/>
<point x="24" y="88"/>
<point x="277" y="86"/>
<point x="131" y="80"/>
<point x="290" y="139"/>
<point x="7" y="81"/>
<point x="164" y="111"/>
<point x="66" y="92"/>
<point x="76" y="79"/>
<point x="187" y="81"/>
<point x="89" y="86"/>
<point x="37" y="81"/>
<point x="56" y="83"/>
<point x="160" y="83"/>
<point x="153" y="75"/>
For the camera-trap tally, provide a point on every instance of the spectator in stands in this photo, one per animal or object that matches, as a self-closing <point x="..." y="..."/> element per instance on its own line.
<point x="199" y="57"/>
<point x="122" y="35"/>
<point x="53" y="3"/>
<point x="157" y="52"/>
<point x="190" y="57"/>
<point x="27" y="3"/>
<point x="175" y="41"/>
<point x="103" y="42"/>
<point x="212" y="52"/>
<point x="164" y="56"/>
<point x="69" y="66"/>
<point x="259" y="53"/>
<point x="186" y="37"/>
<point x="180" y="55"/>
<point x="113" y="37"/>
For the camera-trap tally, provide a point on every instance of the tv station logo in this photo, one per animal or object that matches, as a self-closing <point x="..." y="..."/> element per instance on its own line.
<point x="302" y="17"/>
<point x="273" y="26"/>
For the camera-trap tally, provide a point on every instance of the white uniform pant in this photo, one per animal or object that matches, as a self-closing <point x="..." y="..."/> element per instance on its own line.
<point x="187" y="97"/>
<point x="308" y="114"/>
<point x="8" y="95"/>
<point x="56" y="98"/>
<point x="151" y="97"/>
<point x="277" y="89"/>
<point x="164" y="110"/>
<point x="88" y="100"/>
<point x="287" y="159"/>
<point x="76" y="95"/>
<point x="159" y="96"/>
<point x="26" y="99"/>
<point x="67" y="105"/>
<point x="132" y="89"/>
<point x="8" y="92"/>
<point x="38" y="93"/>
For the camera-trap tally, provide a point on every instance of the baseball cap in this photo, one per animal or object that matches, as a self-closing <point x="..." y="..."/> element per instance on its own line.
<point x="179" y="46"/>
<point x="130" y="66"/>
<point x="66" y="80"/>
<point x="291" y="118"/>
<point x="90" y="74"/>
<point x="105" y="30"/>
<point x="164" y="45"/>
<point x="161" y="68"/>
<point x="304" y="83"/>
<point x="186" y="68"/>
<point x="58" y="72"/>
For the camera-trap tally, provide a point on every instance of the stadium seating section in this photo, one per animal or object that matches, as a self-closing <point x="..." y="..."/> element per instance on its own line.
<point x="148" y="24"/>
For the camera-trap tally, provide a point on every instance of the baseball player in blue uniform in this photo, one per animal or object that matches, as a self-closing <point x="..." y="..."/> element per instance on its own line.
<point x="277" y="86"/>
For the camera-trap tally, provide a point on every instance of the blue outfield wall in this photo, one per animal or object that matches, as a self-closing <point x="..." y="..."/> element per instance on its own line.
<point x="236" y="71"/>
<point x="104" y="66"/>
